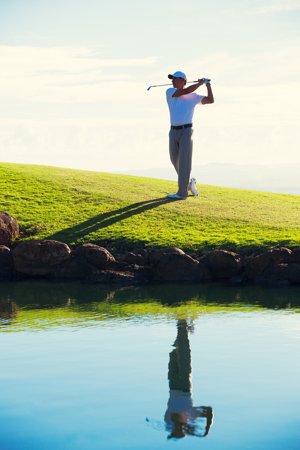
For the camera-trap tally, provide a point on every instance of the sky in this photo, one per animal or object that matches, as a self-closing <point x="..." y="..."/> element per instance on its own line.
<point x="74" y="78"/>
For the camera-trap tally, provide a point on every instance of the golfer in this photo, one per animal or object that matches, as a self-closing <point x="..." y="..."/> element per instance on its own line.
<point x="182" y="101"/>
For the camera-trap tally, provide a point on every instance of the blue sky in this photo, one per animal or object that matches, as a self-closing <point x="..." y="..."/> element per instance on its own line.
<point x="74" y="78"/>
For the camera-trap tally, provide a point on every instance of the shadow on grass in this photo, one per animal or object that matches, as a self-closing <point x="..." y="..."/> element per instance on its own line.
<point x="107" y="219"/>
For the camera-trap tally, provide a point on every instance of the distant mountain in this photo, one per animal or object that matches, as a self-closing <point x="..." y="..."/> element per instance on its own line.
<point x="283" y="178"/>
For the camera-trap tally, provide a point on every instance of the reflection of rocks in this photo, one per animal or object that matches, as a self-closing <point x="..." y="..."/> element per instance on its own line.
<point x="37" y="257"/>
<point x="44" y="293"/>
<point x="9" y="229"/>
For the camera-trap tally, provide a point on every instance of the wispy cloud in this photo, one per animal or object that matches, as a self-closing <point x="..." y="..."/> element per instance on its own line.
<point x="69" y="106"/>
<point x="271" y="65"/>
<point x="277" y="6"/>
<point x="39" y="73"/>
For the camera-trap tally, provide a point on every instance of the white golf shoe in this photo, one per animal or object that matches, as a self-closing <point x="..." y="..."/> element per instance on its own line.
<point x="192" y="187"/>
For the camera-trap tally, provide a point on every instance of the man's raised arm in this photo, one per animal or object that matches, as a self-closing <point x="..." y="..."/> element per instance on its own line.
<point x="206" y="100"/>
<point x="189" y="89"/>
<point x="210" y="96"/>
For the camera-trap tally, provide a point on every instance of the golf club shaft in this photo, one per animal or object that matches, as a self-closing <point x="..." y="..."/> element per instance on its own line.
<point x="170" y="84"/>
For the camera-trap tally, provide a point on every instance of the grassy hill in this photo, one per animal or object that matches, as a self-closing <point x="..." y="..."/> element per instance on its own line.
<point x="123" y="211"/>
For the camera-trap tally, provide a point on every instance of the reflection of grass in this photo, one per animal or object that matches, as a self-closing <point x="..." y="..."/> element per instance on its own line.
<point x="36" y="305"/>
<point x="110" y="314"/>
<point x="125" y="212"/>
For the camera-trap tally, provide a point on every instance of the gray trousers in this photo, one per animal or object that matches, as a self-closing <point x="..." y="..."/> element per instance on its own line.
<point x="181" y="150"/>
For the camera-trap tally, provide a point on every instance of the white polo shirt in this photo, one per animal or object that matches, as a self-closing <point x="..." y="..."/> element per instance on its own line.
<point x="182" y="108"/>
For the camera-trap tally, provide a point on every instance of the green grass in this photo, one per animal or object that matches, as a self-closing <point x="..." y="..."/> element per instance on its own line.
<point x="126" y="212"/>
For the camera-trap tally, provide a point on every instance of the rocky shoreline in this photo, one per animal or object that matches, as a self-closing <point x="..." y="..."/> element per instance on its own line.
<point x="55" y="260"/>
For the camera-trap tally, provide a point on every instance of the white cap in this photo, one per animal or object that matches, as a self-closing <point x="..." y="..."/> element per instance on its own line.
<point x="177" y="74"/>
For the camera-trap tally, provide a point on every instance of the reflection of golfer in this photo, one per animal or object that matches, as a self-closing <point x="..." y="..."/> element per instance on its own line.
<point x="181" y="102"/>
<point x="181" y="417"/>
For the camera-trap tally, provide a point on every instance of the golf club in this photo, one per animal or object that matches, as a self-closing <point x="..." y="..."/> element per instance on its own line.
<point x="206" y="80"/>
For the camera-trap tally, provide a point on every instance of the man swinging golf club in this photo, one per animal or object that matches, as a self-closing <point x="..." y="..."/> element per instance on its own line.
<point x="182" y="101"/>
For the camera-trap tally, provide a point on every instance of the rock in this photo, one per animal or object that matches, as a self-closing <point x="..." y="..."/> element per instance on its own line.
<point x="294" y="273"/>
<point x="280" y="255"/>
<point x="202" y="273"/>
<point x="275" y="276"/>
<point x="143" y="275"/>
<point x="238" y="280"/>
<point x="112" y="276"/>
<point x="223" y="264"/>
<point x="155" y="255"/>
<point x="38" y="257"/>
<point x="135" y="258"/>
<point x="6" y="263"/>
<point x="9" y="229"/>
<point x="295" y="256"/>
<point x="256" y="265"/>
<point x="73" y="269"/>
<point x="175" y="265"/>
<point x="95" y="255"/>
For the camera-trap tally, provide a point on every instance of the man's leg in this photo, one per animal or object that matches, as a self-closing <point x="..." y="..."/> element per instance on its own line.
<point x="185" y="161"/>
<point x="174" y="149"/>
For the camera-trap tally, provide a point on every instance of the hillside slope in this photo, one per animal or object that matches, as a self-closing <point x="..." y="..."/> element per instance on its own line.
<point x="126" y="211"/>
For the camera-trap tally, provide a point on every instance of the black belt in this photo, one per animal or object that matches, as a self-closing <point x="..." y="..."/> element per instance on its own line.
<point x="180" y="127"/>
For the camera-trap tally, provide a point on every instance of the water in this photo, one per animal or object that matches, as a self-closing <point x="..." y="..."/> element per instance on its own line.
<point x="169" y="366"/>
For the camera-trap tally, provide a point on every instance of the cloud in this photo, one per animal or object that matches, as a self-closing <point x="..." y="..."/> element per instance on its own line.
<point x="87" y="144"/>
<point x="58" y="74"/>
<point x="270" y="65"/>
<point x="277" y="6"/>
<point x="70" y="107"/>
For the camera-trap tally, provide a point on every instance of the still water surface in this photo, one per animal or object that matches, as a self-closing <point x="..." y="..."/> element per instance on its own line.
<point x="156" y="367"/>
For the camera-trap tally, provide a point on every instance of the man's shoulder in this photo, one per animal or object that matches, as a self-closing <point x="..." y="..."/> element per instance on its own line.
<point x="196" y="98"/>
<point x="170" y="92"/>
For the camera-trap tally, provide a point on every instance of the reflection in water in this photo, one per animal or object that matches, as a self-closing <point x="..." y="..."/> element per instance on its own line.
<point x="8" y="311"/>
<point x="41" y="304"/>
<point x="181" y="417"/>
<point x="30" y="294"/>
<point x="84" y="409"/>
